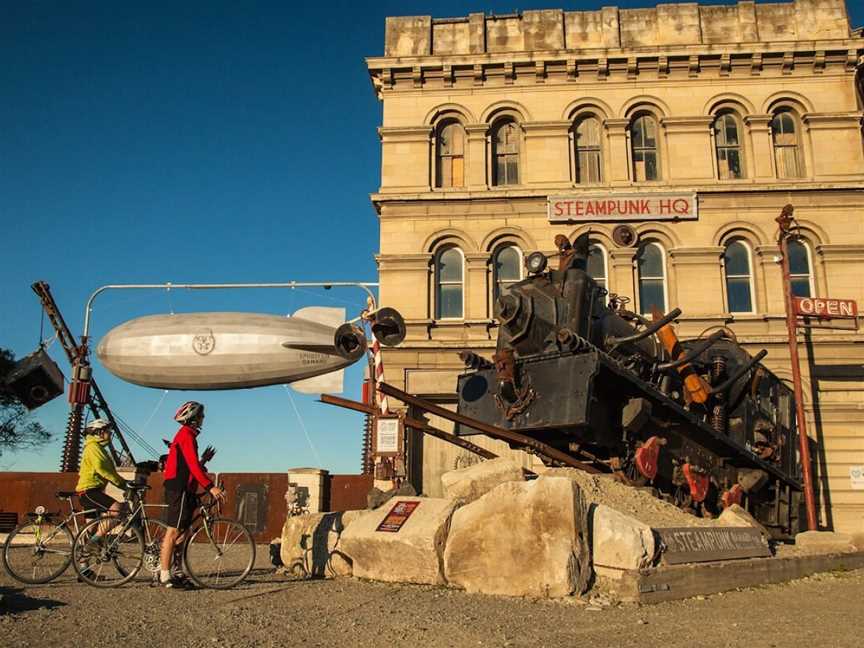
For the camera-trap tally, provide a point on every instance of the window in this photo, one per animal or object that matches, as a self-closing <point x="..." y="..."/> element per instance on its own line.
<point x="448" y="283"/>
<point x="652" y="278"/>
<point x="450" y="162"/>
<point x="506" y="268"/>
<point x="643" y="140"/>
<point x="505" y="154"/>
<point x="787" y="149"/>
<point x="730" y="161"/>
<point x="597" y="264"/>
<point x="586" y="140"/>
<point x="799" y="269"/>
<point x="736" y="265"/>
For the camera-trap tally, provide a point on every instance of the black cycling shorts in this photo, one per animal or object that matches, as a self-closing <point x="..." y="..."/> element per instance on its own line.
<point x="181" y="506"/>
<point x="95" y="498"/>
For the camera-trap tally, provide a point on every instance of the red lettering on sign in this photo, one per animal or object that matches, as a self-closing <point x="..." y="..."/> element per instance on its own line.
<point x="665" y="206"/>
<point x="680" y="206"/>
<point x="589" y="208"/>
<point x="824" y="307"/>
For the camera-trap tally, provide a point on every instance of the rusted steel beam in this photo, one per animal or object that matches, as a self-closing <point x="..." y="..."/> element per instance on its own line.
<point x="413" y="423"/>
<point x="490" y="430"/>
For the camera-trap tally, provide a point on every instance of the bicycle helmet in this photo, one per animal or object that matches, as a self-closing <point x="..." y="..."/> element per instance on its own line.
<point x="96" y="426"/>
<point x="188" y="411"/>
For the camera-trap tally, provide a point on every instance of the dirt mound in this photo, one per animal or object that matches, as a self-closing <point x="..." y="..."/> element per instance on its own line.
<point x="638" y="504"/>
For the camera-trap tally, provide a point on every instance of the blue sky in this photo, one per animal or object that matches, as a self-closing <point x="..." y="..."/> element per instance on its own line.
<point x="196" y="142"/>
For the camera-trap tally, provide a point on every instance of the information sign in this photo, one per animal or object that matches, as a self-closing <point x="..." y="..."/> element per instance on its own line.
<point x="397" y="516"/>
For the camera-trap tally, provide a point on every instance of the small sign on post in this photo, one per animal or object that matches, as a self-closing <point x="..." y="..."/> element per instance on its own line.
<point x="388" y="436"/>
<point x="825" y="308"/>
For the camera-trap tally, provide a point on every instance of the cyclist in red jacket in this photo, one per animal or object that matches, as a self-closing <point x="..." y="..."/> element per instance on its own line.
<point x="183" y="475"/>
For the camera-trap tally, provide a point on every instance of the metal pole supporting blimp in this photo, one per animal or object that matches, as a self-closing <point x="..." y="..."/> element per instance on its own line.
<point x="785" y="221"/>
<point x="85" y="336"/>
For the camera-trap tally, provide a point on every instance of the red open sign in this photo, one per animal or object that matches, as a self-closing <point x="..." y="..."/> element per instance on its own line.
<point x="825" y="308"/>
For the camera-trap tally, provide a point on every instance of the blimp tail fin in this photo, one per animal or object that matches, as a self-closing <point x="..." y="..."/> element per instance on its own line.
<point x="329" y="383"/>
<point x="331" y="317"/>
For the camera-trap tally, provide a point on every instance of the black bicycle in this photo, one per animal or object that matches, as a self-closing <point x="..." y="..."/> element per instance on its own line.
<point x="218" y="553"/>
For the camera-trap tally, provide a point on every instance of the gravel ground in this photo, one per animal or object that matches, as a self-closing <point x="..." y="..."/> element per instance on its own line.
<point x="274" y="610"/>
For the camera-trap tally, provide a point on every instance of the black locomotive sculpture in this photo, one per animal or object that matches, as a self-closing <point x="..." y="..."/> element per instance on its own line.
<point x="701" y="421"/>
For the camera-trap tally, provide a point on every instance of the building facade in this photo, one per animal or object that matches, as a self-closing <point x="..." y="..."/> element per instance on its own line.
<point x="694" y="125"/>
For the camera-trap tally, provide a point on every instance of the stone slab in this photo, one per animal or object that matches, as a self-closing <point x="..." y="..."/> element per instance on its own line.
<point x="468" y="484"/>
<point x="411" y="555"/>
<point x="824" y="541"/>
<point x="310" y="544"/>
<point x="619" y="541"/>
<point x="521" y="539"/>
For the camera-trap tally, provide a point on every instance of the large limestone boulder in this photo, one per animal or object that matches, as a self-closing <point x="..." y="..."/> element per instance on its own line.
<point x="620" y="542"/>
<point x="468" y="484"/>
<point x="410" y="555"/>
<point x="736" y="516"/>
<point x="521" y="539"/>
<point x="825" y="542"/>
<point x="310" y="544"/>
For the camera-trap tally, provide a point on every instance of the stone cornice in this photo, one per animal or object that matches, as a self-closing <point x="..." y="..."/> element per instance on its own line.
<point x="403" y="262"/>
<point x="697" y="124"/>
<point x="839" y="253"/>
<point x="404" y="133"/>
<point x="831" y="121"/>
<point x="529" y="192"/>
<point x="545" y="128"/>
<point x="707" y="255"/>
<point x="672" y="63"/>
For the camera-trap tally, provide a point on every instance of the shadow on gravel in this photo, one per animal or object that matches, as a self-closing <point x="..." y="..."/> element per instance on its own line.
<point x="15" y="600"/>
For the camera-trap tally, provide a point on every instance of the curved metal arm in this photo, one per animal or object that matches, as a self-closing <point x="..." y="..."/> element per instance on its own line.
<point x="168" y="286"/>
<point x="695" y="351"/>
<point x="651" y="330"/>
<point x="747" y="367"/>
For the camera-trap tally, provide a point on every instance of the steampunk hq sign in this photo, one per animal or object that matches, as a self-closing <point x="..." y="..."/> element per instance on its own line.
<point x="585" y="208"/>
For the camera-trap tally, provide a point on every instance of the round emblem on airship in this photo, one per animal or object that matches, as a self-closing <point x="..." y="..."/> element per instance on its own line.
<point x="203" y="342"/>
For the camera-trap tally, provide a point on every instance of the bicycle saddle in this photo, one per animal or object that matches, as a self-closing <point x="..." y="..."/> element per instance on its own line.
<point x="65" y="494"/>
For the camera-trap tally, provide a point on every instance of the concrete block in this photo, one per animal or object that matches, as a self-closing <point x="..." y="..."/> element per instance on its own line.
<point x="410" y="555"/>
<point x="310" y="544"/>
<point x="619" y="541"/>
<point x="825" y="542"/>
<point x="468" y="484"/>
<point x="521" y="539"/>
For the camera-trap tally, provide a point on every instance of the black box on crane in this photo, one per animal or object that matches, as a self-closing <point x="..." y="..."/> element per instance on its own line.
<point x="35" y="380"/>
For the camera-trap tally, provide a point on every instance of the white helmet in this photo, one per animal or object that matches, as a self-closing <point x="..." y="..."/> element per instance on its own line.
<point x="97" y="425"/>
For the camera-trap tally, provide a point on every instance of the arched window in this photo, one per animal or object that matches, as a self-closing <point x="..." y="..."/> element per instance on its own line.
<point x="800" y="269"/>
<point x="650" y="266"/>
<point x="597" y="264"/>
<point x="727" y="139"/>
<point x="643" y="142"/>
<point x="505" y="153"/>
<point x="586" y="140"/>
<point x="739" y="284"/>
<point x="450" y="152"/>
<point x="787" y="146"/>
<point x="506" y="268"/>
<point x="448" y="284"/>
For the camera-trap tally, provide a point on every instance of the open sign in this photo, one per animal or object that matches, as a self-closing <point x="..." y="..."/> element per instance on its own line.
<point x="825" y="308"/>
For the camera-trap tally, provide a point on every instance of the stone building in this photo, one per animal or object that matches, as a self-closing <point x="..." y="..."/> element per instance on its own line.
<point x="693" y="124"/>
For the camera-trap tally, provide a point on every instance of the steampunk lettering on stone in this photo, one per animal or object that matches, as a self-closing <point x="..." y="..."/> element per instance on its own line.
<point x="622" y="207"/>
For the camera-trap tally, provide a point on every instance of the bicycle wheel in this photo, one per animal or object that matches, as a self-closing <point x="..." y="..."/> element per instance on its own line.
<point x="109" y="560"/>
<point x="37" y="552"/>
<point x="154" y="533"/>
<point x="219" y="554"/>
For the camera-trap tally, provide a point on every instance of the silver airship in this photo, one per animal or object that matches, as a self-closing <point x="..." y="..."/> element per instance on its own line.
<point x="235" y="350"/>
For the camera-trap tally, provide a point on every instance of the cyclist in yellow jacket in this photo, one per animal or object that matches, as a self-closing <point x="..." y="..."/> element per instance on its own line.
<point x="97" y="470"/>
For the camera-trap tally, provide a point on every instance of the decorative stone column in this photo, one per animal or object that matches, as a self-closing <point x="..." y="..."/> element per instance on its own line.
<point x="687" y="152"/>
<point x="621" y="275"/>
<point x="546" y="158"/>
<point x="702" y="291"/>
<point x="477" y="305"/>
<point x="616" y="152"/>
<point x="761" y="149"/>
<point x="770" y="294"/>
<point x="476" y="153"/>
<point x="402" y="147"/>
